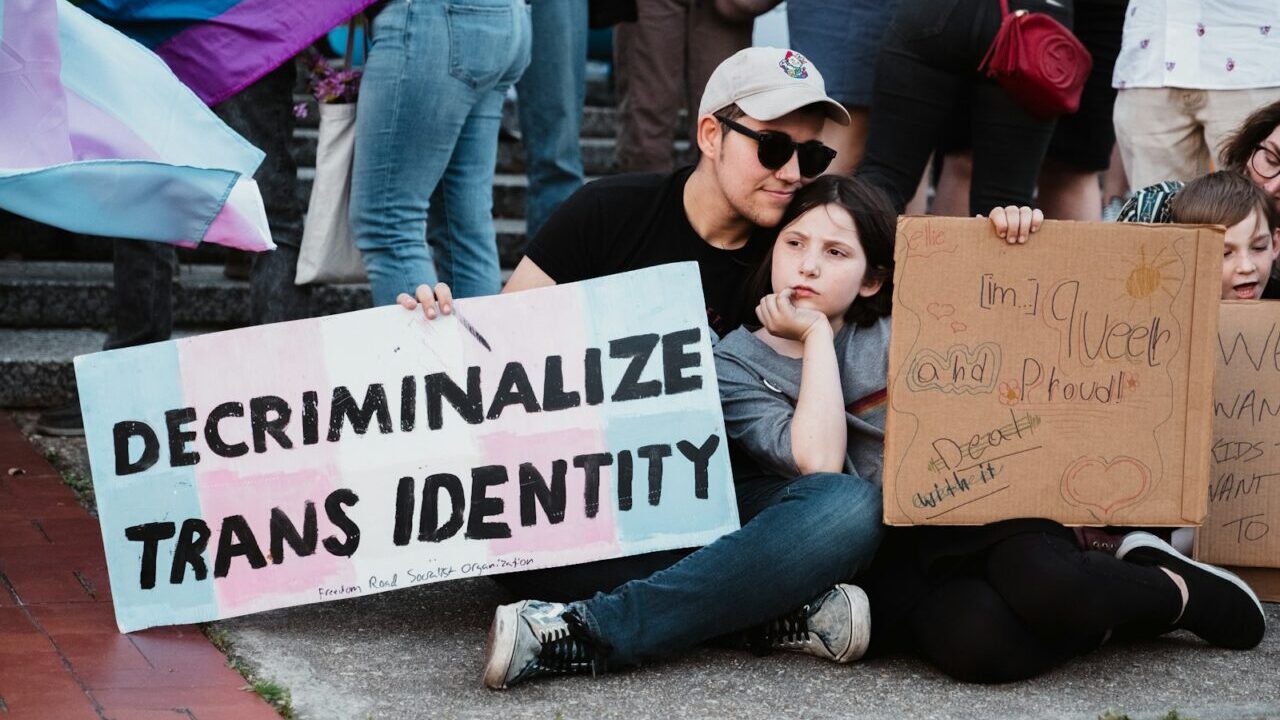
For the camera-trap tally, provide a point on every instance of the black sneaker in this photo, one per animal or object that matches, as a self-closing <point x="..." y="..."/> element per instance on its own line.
<point x="836" y="626"/>
<point x="64" y="421"/>
<point x="531" y="638"/>
<point x="1221" y="608"/>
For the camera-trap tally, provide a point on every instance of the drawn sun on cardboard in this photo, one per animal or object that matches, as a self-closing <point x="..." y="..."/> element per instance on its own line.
<point x="1146" y="278"/>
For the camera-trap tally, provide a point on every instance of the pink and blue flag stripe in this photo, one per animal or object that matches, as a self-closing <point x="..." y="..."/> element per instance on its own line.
<point x="220" y="47"/>
<point x="98" y="136"/>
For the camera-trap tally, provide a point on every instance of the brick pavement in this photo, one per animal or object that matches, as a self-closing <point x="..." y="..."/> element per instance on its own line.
<point x="61" y="654"/>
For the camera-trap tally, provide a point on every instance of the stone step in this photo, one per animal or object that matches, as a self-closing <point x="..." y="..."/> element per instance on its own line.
<point x="509" y="191"/>
<point x="79" y="295"/>
<point x="31" y="241"/>
<point x="597" y="153"/>
<point x="599" y="118"/>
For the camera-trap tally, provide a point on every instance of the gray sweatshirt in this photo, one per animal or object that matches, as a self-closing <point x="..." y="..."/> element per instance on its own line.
<point x="759" y="389"/>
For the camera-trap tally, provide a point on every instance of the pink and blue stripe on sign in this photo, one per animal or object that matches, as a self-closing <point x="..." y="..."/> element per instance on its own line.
<point x="98" y="136"/>
<point x="220" y="47"/>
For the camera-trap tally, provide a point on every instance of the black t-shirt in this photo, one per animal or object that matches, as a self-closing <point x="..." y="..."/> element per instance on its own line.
<point x="634" y="221"/>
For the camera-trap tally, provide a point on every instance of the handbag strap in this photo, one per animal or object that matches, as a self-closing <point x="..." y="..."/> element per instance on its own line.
<point x="360" y="22"/>
<point x="1004" y="12"/>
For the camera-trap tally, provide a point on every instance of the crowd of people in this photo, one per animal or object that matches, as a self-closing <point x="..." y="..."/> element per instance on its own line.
<point x="792" y="205"/>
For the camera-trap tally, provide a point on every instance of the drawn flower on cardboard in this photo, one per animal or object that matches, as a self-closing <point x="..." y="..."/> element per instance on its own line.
<point x="1009" y="393"/>
<point x="1131" y="382"/>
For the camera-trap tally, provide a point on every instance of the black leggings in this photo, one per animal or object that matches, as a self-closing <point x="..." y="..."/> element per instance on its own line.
<point x="926" y="70"/>
<point x="1034" y="601"/>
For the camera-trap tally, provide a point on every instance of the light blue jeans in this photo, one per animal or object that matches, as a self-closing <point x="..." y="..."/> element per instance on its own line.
<point x="427" y="139"/>
<point x="551" y="97"/>
<point x="799" y="537"/>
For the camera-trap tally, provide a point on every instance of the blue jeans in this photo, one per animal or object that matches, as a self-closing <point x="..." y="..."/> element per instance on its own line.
<point x="799" y="538"/>
<point x="552" y="93"/>
<point x="427" y="137"/>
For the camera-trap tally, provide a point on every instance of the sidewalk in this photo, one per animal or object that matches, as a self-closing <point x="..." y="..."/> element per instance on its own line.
<point x="419" y="652"/>
<point x="61" y="655"/>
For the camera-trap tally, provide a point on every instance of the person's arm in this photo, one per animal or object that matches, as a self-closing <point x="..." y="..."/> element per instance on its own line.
<point x="819" y="436"/>
<point x="527" y="276"/>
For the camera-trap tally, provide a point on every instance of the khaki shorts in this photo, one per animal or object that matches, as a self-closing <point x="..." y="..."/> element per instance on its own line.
<point x="1176" y="134"/>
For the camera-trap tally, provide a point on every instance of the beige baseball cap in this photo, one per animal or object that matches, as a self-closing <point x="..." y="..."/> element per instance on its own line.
<point x="767" y="83"/>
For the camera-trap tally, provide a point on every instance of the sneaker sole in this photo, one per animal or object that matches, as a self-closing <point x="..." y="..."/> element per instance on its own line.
<point x="859" y="607"/>
<point x="1147" y="540"/>
<point x="502" y="637"/>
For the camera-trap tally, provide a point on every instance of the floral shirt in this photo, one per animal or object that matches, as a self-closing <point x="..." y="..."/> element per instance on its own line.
<point x="1200" y="44"/>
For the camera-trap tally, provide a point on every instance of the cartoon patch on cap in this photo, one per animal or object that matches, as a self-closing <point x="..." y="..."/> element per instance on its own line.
<point x="793" y="64"/>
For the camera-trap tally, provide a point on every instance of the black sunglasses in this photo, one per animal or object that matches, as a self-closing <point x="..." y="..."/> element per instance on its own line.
<point x="776" y="148"/>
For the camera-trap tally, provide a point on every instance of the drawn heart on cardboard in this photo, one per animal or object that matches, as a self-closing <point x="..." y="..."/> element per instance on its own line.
<point x="957" y="326"/>
<point x="1105" y="486"/>
<point x="939" y="310"/>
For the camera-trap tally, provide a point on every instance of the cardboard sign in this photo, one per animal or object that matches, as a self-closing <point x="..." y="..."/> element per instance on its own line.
<point x="1243" y="525"/>
<point x="321" y="459"/>
<point x="1067" y="378"/>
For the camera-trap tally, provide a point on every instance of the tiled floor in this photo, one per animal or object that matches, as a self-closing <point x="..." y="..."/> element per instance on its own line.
<point x="61" y="655"/>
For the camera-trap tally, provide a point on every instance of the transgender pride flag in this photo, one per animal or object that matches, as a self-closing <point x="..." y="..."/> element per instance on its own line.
<point x="220" y="47"/>
<point x="98" y="136"/>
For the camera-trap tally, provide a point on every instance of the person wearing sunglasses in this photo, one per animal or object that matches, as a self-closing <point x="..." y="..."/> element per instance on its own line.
<point x="758" y="126"/>
<point x="1252" y="150"/>
<point x="758" y="123"/>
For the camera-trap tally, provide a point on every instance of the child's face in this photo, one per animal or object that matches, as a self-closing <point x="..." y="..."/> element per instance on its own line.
<point x="1246" y="261"/>
<point x="820" y="257"/>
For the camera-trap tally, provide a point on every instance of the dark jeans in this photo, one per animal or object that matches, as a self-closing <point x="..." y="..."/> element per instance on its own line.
<point x="1032" y="602"/>
<point x="926" y="69"/>
<point x="143" y="269"/>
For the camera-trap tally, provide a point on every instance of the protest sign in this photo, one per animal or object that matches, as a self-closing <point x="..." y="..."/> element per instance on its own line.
<point x="1243" y="524"/>
<point x="320" y="459"/>
<point x="1068" y="378"/>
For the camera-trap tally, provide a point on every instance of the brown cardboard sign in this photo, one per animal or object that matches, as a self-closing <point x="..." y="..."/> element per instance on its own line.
<point x="1243" y="525"/>
<point x="1264" y="581"/>
<point x="1068" y="378"/>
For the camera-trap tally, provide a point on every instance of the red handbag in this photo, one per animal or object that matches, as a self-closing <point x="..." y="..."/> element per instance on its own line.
<point x="1039" y="62"/>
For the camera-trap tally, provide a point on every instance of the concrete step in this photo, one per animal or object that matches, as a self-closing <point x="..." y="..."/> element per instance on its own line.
<point x="79" y="294"/>
<point x="31" y="241"/>
<point x="509" y="192"/>
<point x="597" y="153"/>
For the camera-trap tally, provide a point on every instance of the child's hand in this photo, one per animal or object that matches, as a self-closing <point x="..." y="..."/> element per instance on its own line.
<point x="1015" y="224"/>
<point x="779" y="315"/>
<point x="428" y="299"/>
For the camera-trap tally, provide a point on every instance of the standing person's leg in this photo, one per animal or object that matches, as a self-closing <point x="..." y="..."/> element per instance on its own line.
<point x="842" y="38"/>
<point x="552" y="93"/>
<point x="709" y="39"/>
<point x="1159" y="138"/>
<point x="460" y="225"/>
<point x="1225" y="110"/>
<point x="143" y="290"/>
<point x="1008" y="147"/>
<point x="1082" y="142"/>
<point x="415" y="96"/>
<point x="649" y="64"/>
<point x="263" y="114"/>
<point x="912" y="103"/>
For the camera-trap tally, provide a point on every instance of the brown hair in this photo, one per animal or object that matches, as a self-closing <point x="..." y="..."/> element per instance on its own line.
<point x="1240" y="145"/>
<point x="1222" y="198"/>
<point x="877" y="226"/>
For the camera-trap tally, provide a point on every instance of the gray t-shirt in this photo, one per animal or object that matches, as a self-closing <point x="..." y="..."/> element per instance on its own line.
<point x="759" y="389"/>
